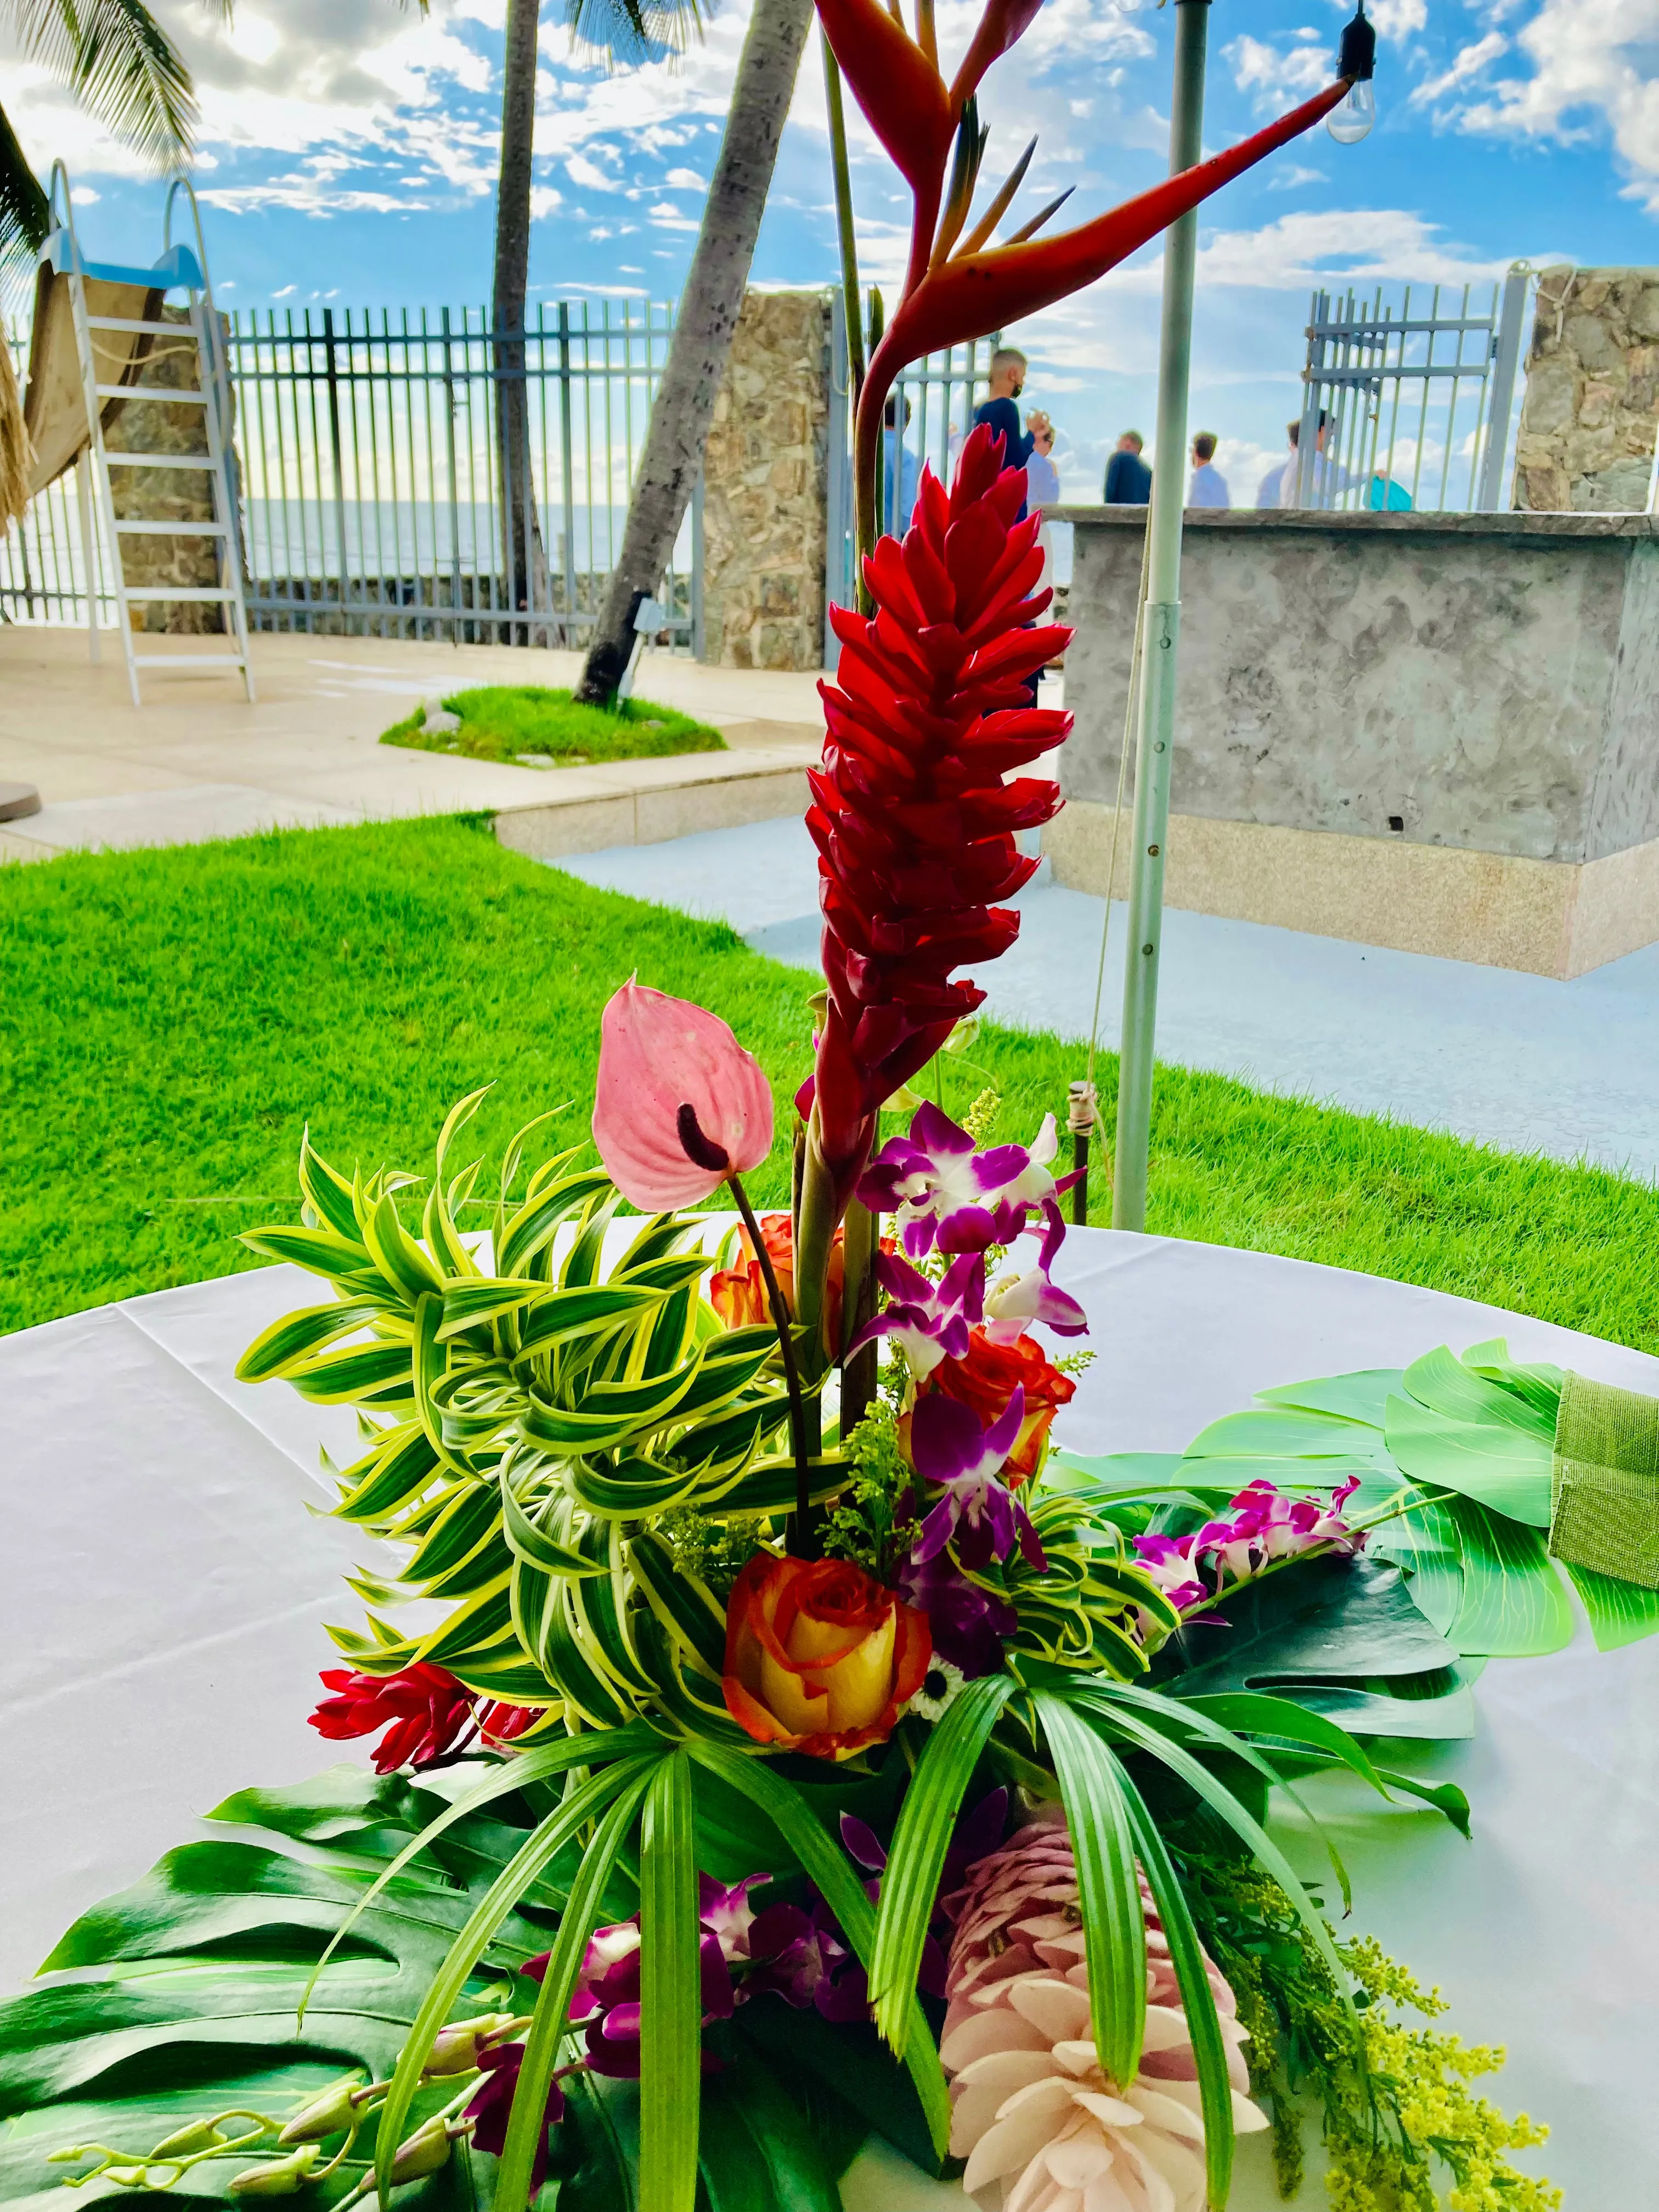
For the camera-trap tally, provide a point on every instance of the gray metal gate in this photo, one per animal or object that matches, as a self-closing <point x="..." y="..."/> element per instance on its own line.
<point x="1409" y="401"/>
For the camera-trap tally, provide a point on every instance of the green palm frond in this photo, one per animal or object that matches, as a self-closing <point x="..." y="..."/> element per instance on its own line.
<point x="121" y="66"/>
<point x="625" y="33"/>
<point x="24" y="220"/>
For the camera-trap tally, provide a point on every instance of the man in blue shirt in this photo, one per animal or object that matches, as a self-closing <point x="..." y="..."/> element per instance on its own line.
<point x="1008" y="367"/>
<point x="1129" y="479"/>
<point x="900" y="473"/>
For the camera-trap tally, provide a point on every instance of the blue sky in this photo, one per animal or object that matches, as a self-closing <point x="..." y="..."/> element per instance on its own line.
<point x="348" y="147"/>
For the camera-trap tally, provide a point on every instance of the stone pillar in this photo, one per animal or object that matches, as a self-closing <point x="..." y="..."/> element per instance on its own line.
<point x="765" y="488"/>
<point x="1587" y="421"/>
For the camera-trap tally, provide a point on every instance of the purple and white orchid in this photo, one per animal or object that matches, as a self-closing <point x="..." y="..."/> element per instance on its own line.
<point x="1014" y="1303"/>
<point x="1262" y="1524"/>
<point x="981" y="1515"/>
<point x="928" y="1321"/>
<point x="946" y="1193"/>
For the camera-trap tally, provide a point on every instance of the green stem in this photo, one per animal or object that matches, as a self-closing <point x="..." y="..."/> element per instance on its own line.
<point x="781" y="1321"/>
<point x="860" y="1239"/>
<point x="841" y="171"/>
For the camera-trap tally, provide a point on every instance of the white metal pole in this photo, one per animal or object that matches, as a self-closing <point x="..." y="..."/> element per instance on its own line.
<point x="1161" y="622"/>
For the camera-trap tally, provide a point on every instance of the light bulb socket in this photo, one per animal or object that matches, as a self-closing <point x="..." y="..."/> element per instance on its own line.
<point x="1357" y="56"/>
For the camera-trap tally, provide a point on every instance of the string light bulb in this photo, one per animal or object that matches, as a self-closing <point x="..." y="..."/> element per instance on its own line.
<point x="1356" y="61"/>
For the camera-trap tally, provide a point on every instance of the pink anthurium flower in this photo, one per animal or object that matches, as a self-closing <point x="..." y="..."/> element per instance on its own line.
<point x="679" y="1105"/>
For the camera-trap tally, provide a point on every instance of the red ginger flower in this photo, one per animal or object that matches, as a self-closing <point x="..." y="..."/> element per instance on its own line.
<point x="914" y="822"/>
<point x="428" y="1710"/>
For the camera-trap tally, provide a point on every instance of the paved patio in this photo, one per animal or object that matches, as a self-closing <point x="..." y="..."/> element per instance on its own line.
<point x="196" y="761"/>
<point x="1512" y="1060"/>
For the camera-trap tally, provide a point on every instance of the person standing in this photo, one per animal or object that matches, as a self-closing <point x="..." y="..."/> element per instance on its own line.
<point x="1042" y="491"/>
<point x="1000" y="412"/>
<point x="1129" y="479"/>
<point x="900" y="473"/>
<point x="1208" y="487"/>
<point x="1270" y="492"/>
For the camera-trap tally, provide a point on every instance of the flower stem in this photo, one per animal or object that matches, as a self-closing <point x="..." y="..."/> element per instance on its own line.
<point x="781" y="1322"/>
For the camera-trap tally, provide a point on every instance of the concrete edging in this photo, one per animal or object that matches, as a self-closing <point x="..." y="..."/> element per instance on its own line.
<point x="1552" y="917"/>
<point x="651" y="814"/>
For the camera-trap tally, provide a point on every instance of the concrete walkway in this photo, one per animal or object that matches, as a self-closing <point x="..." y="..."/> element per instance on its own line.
<point x="196" y="761"/>
<point x="1511" y="1059"/>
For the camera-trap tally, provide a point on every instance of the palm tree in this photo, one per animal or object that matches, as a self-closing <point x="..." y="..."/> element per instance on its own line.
<point x="125" y="70"/>
<point x="701" y="344"/>
<point x="620" y="31"/>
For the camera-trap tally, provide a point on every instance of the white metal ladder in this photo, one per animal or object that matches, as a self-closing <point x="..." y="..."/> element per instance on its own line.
<point x="179" y="268"/>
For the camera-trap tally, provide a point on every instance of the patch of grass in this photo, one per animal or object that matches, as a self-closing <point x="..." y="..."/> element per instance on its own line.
<point x="172" y="1019"/>
<point x="539" y="728"/>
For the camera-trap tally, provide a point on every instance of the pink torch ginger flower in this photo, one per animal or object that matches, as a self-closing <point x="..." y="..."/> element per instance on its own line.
<point x="1033" y="2108"/>
<point x="679" y="1104"/>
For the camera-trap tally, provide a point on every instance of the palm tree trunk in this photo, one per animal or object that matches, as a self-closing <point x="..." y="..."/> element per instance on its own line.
<point x="526" y="578"/>
<point x="696" y="360"/>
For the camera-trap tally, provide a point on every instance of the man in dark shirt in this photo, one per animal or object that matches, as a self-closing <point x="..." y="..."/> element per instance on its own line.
<point x="1129" y="479"/>
<point x="1007" y="381"/>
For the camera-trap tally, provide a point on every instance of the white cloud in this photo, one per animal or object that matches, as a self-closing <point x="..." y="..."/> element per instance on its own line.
<point x="582" y="171"/>
<point x="686" y="180"/>
<point x="1279" y="78"/>
<point x="1292" y="179"/>
<point x="1321" y="245"/>
<point x="1469" y="63"/>
<point x="1593" y="66"/>
<point x="543" y="199"/>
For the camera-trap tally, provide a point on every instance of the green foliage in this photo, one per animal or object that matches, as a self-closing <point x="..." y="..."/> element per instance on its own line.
<point x="867" y="1525"/>
<point x="525" y="1428"/>
<point x="503" y="722"/>
<point x="172" y="1019"/>
<point x="1398" y="2117"/>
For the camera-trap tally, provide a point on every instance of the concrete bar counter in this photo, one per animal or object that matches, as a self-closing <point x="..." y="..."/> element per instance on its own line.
<point x="1438" y="732"/>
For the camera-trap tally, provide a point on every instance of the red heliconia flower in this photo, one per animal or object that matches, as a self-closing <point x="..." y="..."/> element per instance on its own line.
<point x="913" y="822"/>
<point x="957" y="283"/>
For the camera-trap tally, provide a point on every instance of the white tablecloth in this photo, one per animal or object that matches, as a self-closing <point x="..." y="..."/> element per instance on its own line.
<point x="167" y="1591"/>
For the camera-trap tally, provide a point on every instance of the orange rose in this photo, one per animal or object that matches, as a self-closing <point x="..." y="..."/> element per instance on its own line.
<point x="738" y="1293"/>
<point x="819" y="1657"/>
<point x="984" y="1382"/>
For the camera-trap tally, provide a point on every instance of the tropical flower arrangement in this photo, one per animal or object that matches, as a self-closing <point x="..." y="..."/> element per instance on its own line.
<point x="778" y="1739"/>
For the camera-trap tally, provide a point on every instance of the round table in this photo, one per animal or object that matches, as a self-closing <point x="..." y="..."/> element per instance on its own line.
<point x="168" y="1593"/>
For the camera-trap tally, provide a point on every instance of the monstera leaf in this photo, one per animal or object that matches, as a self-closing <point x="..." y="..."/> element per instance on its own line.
<point x="1341" y="1637"/>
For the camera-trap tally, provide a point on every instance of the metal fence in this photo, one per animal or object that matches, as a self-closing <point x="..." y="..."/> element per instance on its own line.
<point x="369" y="449"/>
<point x="372" y="456"/>
<point x="1409" y="399"/>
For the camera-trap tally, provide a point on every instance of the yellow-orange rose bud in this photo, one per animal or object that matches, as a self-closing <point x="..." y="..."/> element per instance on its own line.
<point x="819" y="1657"/>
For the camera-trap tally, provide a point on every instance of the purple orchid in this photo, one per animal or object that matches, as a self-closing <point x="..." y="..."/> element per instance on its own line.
<point x="949" y="1449"/>
<point x="804" y="1958"/>
<point x="946" y="1193"/>
<point x="929" y="1321"/>
<point x="1262" y="1524"/>
<point x="727" y="1915"/>
<point x="1018" y="1300"/>
<point x="968" y="1622"/>
<point x="607" y="1997"/>
<point x="491" y="2107"/>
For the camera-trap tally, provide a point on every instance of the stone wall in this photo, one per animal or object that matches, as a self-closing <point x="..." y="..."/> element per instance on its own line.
<point x="1592" y="397"/>
<point x="166" y="495"/>
<point x="765" y="486"/>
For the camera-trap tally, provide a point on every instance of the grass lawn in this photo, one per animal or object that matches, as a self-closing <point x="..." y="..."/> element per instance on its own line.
<point x="172" y="1019"/>
<point x="539" y="728"/>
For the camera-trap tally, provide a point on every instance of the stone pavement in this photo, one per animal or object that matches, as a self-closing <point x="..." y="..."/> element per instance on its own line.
<point x="1570" y="1069"/>
<point x="196" y="761"/>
